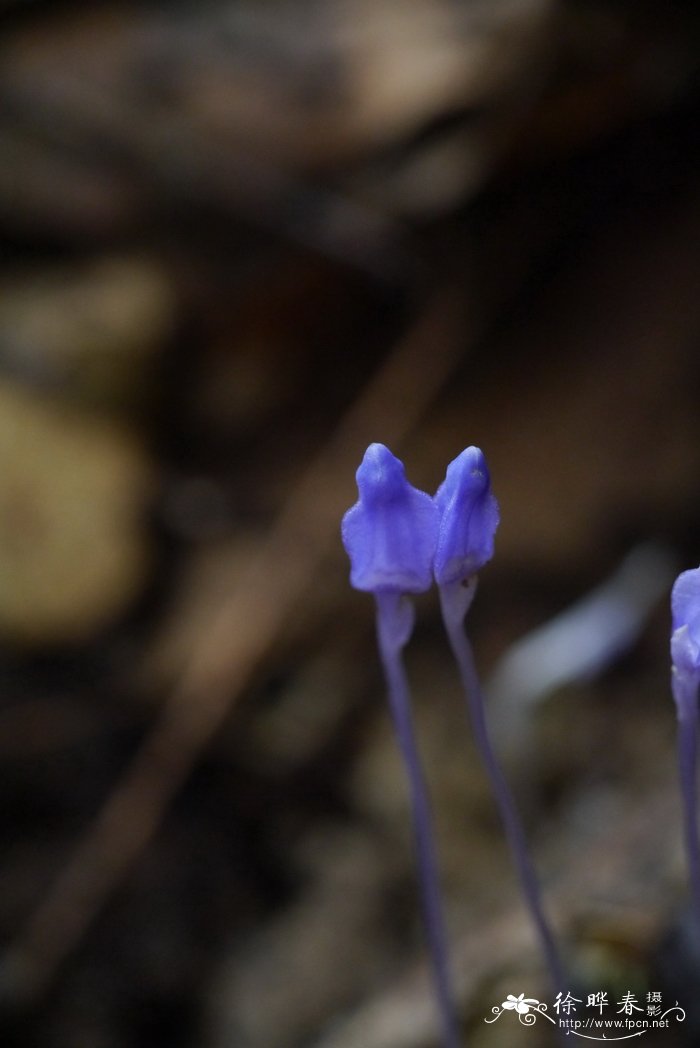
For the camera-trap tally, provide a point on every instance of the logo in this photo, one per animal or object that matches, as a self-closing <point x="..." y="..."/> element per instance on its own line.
<point x="611" y="1020"/>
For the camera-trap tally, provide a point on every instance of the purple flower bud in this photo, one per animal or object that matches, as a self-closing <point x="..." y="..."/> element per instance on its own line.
<point x="685" y="638"/>
<point x="468" y="518"/>
<point x="390" y="533"/>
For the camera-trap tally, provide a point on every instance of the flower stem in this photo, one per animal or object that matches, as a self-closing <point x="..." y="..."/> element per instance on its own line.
<point x="454" y="600"/>
<point x="394" y="625"/>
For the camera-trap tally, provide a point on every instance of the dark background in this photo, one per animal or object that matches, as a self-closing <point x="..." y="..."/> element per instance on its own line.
<point x="240" y="241"/>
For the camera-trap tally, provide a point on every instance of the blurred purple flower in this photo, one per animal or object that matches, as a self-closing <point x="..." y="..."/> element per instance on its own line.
<point x="685" y="636"/>
<point x="685" y="684"/>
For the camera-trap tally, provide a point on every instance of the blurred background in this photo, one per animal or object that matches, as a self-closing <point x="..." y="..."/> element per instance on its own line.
<point x="241" y="240"/>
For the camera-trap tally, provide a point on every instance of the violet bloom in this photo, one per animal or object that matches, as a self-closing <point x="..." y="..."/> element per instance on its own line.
<point x="468" y="518"/>
<point x="468" y="521"/>
<point x="390" y="533"/>
<point x="390" y="536"/>
<point x="685" y="643"/>
<point x="685" y="684"/>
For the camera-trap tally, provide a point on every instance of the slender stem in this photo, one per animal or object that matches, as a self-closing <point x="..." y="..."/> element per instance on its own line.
<point x="394" y="625"/>
<point x="453" y="606"/>
<point x="687" y="766"/>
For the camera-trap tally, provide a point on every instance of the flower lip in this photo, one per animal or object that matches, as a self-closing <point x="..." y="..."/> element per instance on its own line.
<point x="390" y="533"/>
<point x="468" y="518"/>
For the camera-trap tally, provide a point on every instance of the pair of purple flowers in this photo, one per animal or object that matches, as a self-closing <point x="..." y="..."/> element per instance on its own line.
<point x="397" y="537"/>
<point x="399" y="540"/>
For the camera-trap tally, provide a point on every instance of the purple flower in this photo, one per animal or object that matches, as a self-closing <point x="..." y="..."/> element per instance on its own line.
<point x="685" y="684"/>
<point x="468" y="518"/>
<point x="390" y="536"/>
<point x="390" y="533"/>
<point x="468" y="522"/>
<point x="685" y="638"/>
